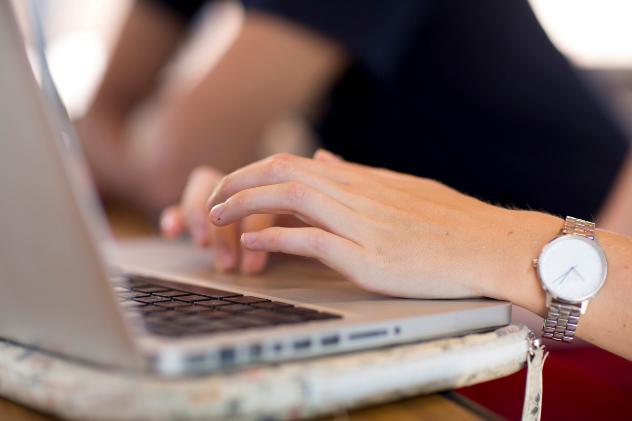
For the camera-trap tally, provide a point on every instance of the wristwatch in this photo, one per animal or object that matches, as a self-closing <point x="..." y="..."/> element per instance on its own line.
<point x="572" y="269"/>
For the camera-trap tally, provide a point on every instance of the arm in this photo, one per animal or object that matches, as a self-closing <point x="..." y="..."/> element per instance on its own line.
<point x="399" y="235"/>
<point x="273" y="67"/>
<point x="153" y="34"/>
<point x="617" y="213"/>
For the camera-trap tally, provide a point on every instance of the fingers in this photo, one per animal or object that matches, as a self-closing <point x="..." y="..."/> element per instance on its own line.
<point x="172" y="223"/>
<point x="334" y="251"/>
<point x="225" y="241"/>
<point x="254" y="261"/>
<point x="192" y="215"/>
<point x="283" y="168"/>
<point x="305" y="202"/>
<point x="199" y="186"/>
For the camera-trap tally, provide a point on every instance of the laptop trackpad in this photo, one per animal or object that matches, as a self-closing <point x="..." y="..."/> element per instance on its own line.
<point x="285" y="277"/>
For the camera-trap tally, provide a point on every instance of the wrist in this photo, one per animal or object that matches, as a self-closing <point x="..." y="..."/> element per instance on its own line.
<point x="516" y="279"/>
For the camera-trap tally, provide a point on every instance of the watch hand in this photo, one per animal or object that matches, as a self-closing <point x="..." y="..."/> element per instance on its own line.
<point x="578" y="274"/>
<point x="562" y="277"/>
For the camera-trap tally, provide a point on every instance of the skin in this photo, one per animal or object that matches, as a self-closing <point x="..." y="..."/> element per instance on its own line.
<point x="293" y="67"/>
<point x="406" y="236"/>
<point x="272" y="68"/>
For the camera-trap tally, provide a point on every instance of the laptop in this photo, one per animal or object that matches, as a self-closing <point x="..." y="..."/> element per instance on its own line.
<point x="154" y="306"/>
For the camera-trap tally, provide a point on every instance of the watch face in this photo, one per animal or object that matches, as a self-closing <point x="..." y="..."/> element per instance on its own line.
<point x="572" y="268"/>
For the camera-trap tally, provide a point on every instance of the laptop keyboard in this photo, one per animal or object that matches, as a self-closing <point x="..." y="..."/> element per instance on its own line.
<point x="176" y="310"/>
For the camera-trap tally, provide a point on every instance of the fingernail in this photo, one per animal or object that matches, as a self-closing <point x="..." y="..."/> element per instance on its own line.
<point x="249" y="239"/>
<point x="216" y="213"/>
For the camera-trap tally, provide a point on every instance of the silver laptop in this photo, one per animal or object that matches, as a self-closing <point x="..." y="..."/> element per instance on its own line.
<point x="156" y="306"/>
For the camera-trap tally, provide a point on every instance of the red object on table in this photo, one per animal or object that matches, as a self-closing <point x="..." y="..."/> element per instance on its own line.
<point x="581" y="383"/>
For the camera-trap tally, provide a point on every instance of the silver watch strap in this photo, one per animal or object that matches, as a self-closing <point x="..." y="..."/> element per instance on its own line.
<point x="575" y="226"/>
<point x="561" y="322"/>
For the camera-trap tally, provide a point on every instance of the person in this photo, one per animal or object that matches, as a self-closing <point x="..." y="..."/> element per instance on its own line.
<point x="469" y="93"/>
<point x="407" y="236"/>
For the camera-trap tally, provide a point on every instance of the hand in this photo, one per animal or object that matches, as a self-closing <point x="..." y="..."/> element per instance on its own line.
<point x="191" y="216"/>
<point x="390" y="233"/>
<point x="101" y="135"/>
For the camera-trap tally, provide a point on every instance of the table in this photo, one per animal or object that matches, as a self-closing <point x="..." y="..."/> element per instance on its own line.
<point x="444" y="406"/>
<point x="431" y="407"/>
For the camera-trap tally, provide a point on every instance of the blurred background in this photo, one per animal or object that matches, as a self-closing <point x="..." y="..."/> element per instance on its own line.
<point x="596" y="36"/>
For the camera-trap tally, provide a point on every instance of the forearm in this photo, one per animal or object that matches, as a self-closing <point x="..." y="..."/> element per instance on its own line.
<point x="148" y="39"/>
<point x="180" y="139"/>
<point x="617" y="213"/>
<point x="608" y="320"/>
<point x="271" y="69"/>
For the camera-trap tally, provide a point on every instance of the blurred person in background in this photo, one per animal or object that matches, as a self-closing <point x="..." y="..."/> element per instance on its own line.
<point x="472" y="94"/>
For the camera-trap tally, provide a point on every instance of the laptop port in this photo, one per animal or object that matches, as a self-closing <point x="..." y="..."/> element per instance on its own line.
<point x="367" y="334"/>
<point x="227" y="356"/>
<point x="330" y="340"/>
<point x="256" y="351"/>
<point x="302" y="344"/>
<point x="196" y="358"/>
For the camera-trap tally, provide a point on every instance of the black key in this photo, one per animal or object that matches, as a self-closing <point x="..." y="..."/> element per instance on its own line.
<point x="245" y="299"/>
<point x="188" y="321"/>
<point x="272" y="305"/>
<point x="213" y="303"/>
<point x="238" y="323"/>
<point x="150" y="288"/>
<point x="288" y="318"/>
<point x="192" y="309"/>
<point x="218" y="314"/>
<point x="171" y="314"/>
<point x="263" y="313"/>
<point x="152" y="309"/>
<point x="151" y="299"/>
<point x="210" y="328"/>
<point x="132" y="294"/>
<point x="257" y="322"/>
<point x="154" y="318"/>
<point x="191" y="319"/>
<point x="173" y="304"/>
<point x="191" y="298"/>
<point x="212" y="324"/>
<point x="237" y="308"/>
<point x="171" y="293"/>
<point x="164" y="330"/>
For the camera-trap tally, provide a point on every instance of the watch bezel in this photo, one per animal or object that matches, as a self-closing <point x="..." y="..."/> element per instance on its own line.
<point x="593" y="243"/>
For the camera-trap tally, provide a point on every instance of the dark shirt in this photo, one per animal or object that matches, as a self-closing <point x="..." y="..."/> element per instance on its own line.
<point x="471" y="93"/>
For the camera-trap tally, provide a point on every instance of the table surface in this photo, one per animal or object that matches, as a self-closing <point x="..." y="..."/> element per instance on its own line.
<point x="430" y="407"/>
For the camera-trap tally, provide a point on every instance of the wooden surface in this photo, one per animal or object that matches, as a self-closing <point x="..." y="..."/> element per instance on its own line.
<point x="431" y="407"/>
